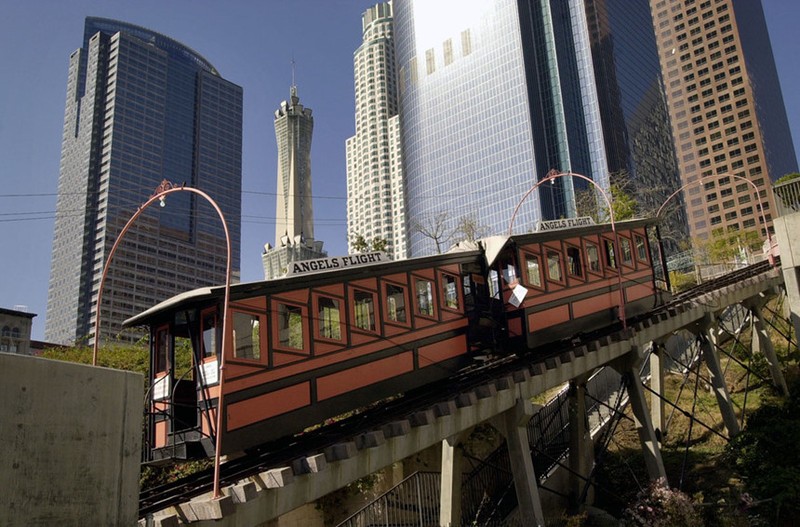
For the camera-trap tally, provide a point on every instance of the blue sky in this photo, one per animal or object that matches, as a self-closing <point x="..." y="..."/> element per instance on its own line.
<point x="252" y="43"/>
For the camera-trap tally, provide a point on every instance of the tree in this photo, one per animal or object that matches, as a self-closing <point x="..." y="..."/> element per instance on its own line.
<point x="360" y="244"/>
<point x="437" y="228"/>
<point x="788" y="177"/>
<point x="726" y="246"/>
<point x="589" y="202"/>
<point x="379" y="244"/>
<point x="470" y="228"/>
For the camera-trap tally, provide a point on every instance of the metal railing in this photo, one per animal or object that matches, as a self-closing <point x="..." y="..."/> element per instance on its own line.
<point x="788" y="194"/>
<point x="412" y="502"/>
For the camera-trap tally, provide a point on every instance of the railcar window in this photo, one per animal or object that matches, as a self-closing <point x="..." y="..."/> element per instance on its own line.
<point x="209" y="330"/>
<point x="494" y="284"/>
<point x="162" y="344"/>
<point x="593" y="257"/>
<point x="450" y="291"/>
<point x="364" y="310"/>
<point x="425" y="297"/>
<point x="574" y="267"/>
<point x="611" y="259"/>
<point x="329" y="318"/>
<point x="396" y="303"/>
<point x="554" y="266"/>
<point x="641" y="249"/>
<point x="625" y="249"/>
<point x="290" y="326"/>
<point x="534" y="271"/>
<point x="246" y="336"/>
<point x="509" y="273"/>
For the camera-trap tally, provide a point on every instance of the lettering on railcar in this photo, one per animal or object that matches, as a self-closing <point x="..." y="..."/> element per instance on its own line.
<point x="564" y="223"/>
<point x="336" y="262"/>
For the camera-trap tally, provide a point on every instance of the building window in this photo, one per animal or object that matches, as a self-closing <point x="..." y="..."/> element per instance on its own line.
<point x="424" y="297"/>
<point x="161" y="344"/>
<point x="209" y="332"/>
<point x="554" y="266"/>
<point x="626" y="250"/>
<point x="450" y="291"/>
<point x="593" y="257"/>
<point x="641" y="249"/>
<point x="329" y="318"/>
<point x="574" y="262"/>
<point x="611" y="260"/>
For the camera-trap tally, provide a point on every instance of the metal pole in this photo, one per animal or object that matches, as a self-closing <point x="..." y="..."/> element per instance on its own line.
<point x="160" y="193"/>
<point x="770" y="256"/>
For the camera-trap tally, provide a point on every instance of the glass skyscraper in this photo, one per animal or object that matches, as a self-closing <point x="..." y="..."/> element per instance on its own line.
<point x="140" y="108"/>
<point x="633" y="107"/>
<point x="493" y="95"/>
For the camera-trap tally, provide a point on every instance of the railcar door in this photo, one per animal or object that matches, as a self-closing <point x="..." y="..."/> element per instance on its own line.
<point x="207" y="348"/>
<point x="161" y="382"/>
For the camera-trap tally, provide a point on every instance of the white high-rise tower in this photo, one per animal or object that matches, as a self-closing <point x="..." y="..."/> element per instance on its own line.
<point x="375" y="194"/>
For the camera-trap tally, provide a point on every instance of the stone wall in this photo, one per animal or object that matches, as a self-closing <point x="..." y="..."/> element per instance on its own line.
<point x="71" y="436"/>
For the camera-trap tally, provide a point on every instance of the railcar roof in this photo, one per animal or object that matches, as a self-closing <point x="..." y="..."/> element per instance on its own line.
<point x="494" y="245"/>
<point x="244" y="289"/>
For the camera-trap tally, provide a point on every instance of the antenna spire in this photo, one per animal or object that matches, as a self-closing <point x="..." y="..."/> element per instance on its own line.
<point x="294" y="85"/>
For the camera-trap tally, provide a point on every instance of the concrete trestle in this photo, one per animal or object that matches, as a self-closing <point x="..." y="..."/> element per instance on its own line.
<point x="505" y="403"/>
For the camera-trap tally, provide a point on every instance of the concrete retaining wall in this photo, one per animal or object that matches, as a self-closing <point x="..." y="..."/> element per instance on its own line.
<point x="71" y="441"/>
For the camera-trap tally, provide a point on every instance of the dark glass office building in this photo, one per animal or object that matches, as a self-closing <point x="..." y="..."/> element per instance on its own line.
<point x="140" y="108"/>
<point x="633" y="108"/>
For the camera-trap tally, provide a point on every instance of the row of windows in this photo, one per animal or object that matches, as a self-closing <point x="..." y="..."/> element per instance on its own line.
<point x="329" y="320"/>
<point x="575" y="263"/>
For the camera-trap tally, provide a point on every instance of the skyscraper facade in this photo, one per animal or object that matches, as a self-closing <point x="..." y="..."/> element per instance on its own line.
<point x="294" y="227"/>
<point x="493" y="95"/>
<point x="375" y="194"/>
<point x="140" y="108"/>
<point x="636" y="124"/>
<point x="726" y="108"/>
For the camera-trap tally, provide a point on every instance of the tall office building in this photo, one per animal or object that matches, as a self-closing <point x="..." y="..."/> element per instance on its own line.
<point x="140" y="108"/>
<point x="294" y="227"/>
<point x="727" y="110"/>
<point x="375" y="195"/>
<point x="493" y="95"/>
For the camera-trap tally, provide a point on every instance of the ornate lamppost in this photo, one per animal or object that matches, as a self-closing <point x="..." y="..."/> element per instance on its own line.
<point x="159" y="194"/>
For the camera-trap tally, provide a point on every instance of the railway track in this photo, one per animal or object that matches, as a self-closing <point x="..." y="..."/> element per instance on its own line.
<point x="284" y="451"/>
